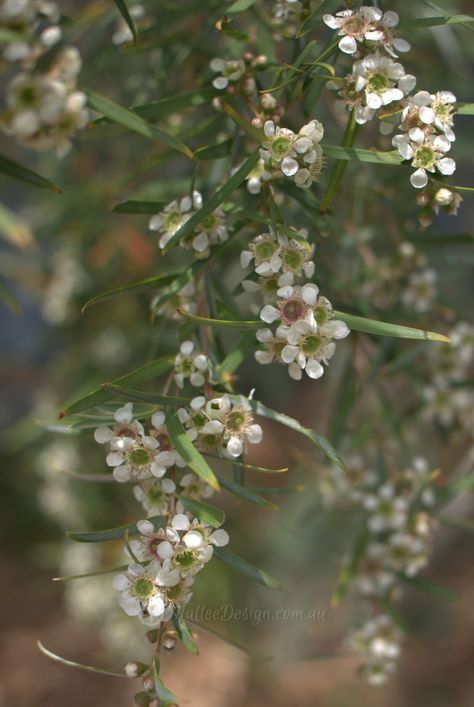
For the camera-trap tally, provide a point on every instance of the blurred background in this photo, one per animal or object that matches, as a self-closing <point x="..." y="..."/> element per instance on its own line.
<point x="67" y="247"/>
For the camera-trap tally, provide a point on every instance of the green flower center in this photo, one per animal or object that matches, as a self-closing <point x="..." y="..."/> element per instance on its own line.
<point x="293" y="259"/>
<point x="270" y="285"/>
<point x="174" y="593"/>
<point x="378" y="83"/>
<point x="265" y="249"/>
<point x="311" y="344"/>
<point x="321" y="315"/>
<point x="173" y="220"/>
<point x="156" y="496"/>
<point x="143" y="588"/>
<point x="28" y="95"/>
<point x="443" y="112"/>
<point x="185" y="559"/>
<point x="292" y="310"/>
<point x="209" y="222"/>
<point x="199" y="419"/>
<point x="425" y="157"/>
<point x="235" y="420"/>
<point x="280" y="147"/>
<point x="139" y="457"/>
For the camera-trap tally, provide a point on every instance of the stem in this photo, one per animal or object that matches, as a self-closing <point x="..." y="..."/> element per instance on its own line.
<point x="341" y="165"/>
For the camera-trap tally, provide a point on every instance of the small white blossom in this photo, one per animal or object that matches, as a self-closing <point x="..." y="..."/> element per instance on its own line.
<point x="367" y="24"/>
<point x="191" y="365"/>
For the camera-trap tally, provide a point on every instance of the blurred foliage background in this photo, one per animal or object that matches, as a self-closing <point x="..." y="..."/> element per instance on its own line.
<point x="70" y="246"/>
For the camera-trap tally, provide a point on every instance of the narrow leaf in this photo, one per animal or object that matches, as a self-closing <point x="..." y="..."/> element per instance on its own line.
<point x="425" y="585"/>
<point x="215" y="200"/>
<point x="238" y="325"/>
<point x="140" y="396"/>
<point x="155" y="282"/>
<point x="139" y="207"/>
<point x="17" y="171"/>
<point x="101" y="536"/>
<point x="188" y="451"/>
<point x="356" y="154"/>
<point x="73" y="664"/>
<point x="210" y="515"/>
<point x="165" y="697"/>
<point x="435" y="21"/>
<point x="134" y="122"/>
<point x="237" y="356"/>
<point x="245" y="568"/>
<point x="244" y="492"/>
<point x="239" y="6"/>
<point x="86" y="575"/>
<point x="184" y="633"/>
<point x="465" y="108"/>
<point x="153" y="369"/>
<point x="351" y="567"/>
<point x="372" y="326"/>
<point x="123" y="9"/>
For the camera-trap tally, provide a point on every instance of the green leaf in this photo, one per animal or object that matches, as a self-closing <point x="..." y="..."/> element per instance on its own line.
<point x="210" y="515"/>
<point x="244" y="492"/>
<point x="134" y="122"/>
<point x="252" y="467"/>
<point x="155" y="282"/>
<point x="215" y="200"/>
<point x="245" y="568"/>
<point x="153" y="369"/>
<point x="165" y="697"/>
<point x="164" y="106"/>
<point x="237" y="325"/>
<point x="9" y="299"/>
<point x="340" y="167"/>
<point x="239" y="6"/>
<point x="356" y="154"/>
<point x="424" y="585"/>
<point x="214" y="152"/>
<point x="86" y="575"/>
<point x="372" y="326"/>
<point x="139" y="207"/>
<point x="73" y="664"/>
<point x="465" y="109"/>
<point x="140" y="396"/>
<point x="188" y="451"/>
<point x="102" y="536"/>
<point x="123" y="9"/>
<point x="184" y="633"/>
<point x="320" y="441"/>
<point x="17" y="171"/>
<point x="435" y="21"/>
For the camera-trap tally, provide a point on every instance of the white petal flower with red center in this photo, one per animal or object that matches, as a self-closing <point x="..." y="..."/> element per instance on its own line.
<point x="367" y="24"/>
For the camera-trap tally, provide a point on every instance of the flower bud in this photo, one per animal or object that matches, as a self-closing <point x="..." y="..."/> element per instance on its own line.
<point x="169" y="641"/>
<point x="147" y="684"/>
<point x="134" y="669"/>
<point x="152" y="636"/>
<point x="141" y="699"/>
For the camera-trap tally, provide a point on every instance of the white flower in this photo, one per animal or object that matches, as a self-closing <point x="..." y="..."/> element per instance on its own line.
<point x="436" y="110"/>
<point x="140" y="594"/>
<point x="387" y="510"/>
<point x="426" y="153"/>
<point x="366" y="24"/>
<point x="382" y="80"/>
<point x="231" y="71"/>
<point x="294" y="153"/>
<point x="154" y="495"/>
<point x="191" y="365"/>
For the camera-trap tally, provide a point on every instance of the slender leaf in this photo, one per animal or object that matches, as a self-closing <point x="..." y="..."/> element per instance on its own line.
<point x="214" y="152"/>
<point x="210" y="515"/>
<point x="237" y="356"/>
<point x="372" y="326"/>
<point x="153" y="369"/>
<point x="244" y="492"/>
<point x="86" y="575"/>
<point x="139" y="207"/>
<point x="239" y="6"/>
<point x="465" y="108"/>
<point x="322" y="442"/>
<point x="155" y="282"/>
<point x="102" y="536"/>
<point x="237" y="325"/>
<point x="245" y="568"/>
<point x="141" y="396"/>
<point x="184" y="633"/>
<point x="17" y="171"/>
<point x="188" y="451"/>
<point x="134" y="122"/>
<point x="351" y="567"/>
<point x="425" y="585"/>
<point x="73" y="664"/>
<point x="356" y="154"/>
<point x="435" y="21"/>
<point x="123" y="9"/>
<point x="165" y="697"/>
<point x="215" y="200"/>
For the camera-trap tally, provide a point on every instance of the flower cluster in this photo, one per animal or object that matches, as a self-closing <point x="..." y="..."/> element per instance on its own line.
<point x="398" y="528"/>
<point x="24" y="18"/>
<point x="220" y="426"/>
<point x="237" y="75"/>
<point x="427" y="136"/>
<point x="211" y="230"/>
<point x="431" y="199"/>
<point x="374" y="82"/>
<point x="444" y="401"/>
<point x="365" y="29"/>
<point x="163" y="564"/>
<point x="44" y="107"/>
<point x="305" y="325"/>
<point x="298" y="155"/>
